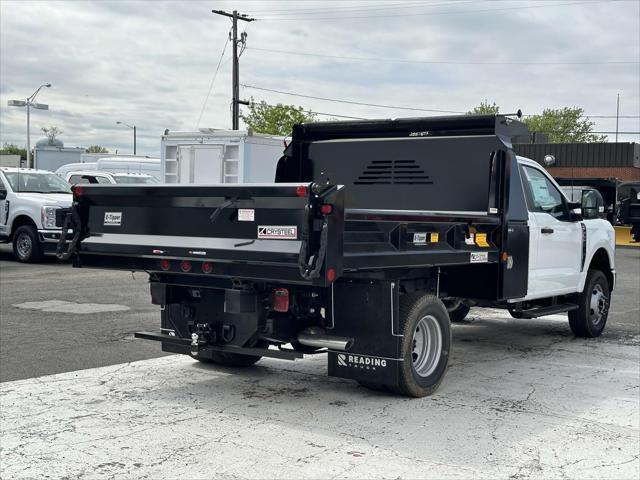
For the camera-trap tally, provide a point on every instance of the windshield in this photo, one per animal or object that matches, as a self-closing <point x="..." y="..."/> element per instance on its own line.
<point x="129" y="179"/>
<point x="37" y="182"/>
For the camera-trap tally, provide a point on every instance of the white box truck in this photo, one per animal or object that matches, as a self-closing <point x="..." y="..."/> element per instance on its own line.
<point x="211" y="156"/>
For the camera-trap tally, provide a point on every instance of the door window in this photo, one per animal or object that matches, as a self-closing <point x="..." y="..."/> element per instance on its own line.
<point x="543" y="195"/>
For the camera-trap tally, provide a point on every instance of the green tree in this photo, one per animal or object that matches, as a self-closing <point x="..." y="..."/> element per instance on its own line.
<point x="96" y="149"/>
<point x="275" y="119"/>
<point x="51" y="133"/>
<point x="11" y="149"/>
<point x="564" y="125"/>
<point x="484" y="108"/>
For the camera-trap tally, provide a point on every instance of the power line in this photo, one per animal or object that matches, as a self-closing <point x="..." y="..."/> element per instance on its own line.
<point x="397" y="107"/>
<point x="213" y="79"/>
<point x="347" y="101"/>
<point x="436" y="62"/>
<point x="356" y="8"/>
<point x="413" y="14"/>
<point x="325" y="113"/>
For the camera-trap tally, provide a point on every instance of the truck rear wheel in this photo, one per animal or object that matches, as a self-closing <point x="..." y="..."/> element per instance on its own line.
<point x="26" y="245"/>
<point x="426" y="343"/>
<point x="589" y="319"/>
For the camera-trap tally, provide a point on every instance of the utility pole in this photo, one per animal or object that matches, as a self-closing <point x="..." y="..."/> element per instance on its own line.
<point x="617" y="116"/>
<point x="235" y="78"/>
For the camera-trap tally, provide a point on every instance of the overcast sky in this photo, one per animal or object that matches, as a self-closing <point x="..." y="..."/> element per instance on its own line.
<point x="150" y="63"/>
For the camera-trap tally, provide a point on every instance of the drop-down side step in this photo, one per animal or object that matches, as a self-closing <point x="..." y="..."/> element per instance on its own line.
<point x="550" y="310"/>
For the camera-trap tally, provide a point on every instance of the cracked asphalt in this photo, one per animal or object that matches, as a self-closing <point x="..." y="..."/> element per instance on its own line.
<point x="522" y="399"/>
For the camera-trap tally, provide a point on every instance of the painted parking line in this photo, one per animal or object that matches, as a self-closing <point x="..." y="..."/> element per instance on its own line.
<point x="520" y="399"/>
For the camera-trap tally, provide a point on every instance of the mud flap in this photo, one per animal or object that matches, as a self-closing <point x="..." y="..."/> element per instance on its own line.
<point x="365" y="368"/>
<point x="368" y="313"/>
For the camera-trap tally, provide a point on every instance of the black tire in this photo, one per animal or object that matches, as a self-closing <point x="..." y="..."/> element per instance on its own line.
<point x="428" y="312"/>
<point x="590" y="318"/>
<point x="26" y="245"/>
<point x="460" y="313"/>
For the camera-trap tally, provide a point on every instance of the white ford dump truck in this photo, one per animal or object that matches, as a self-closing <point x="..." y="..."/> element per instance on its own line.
<point x="373" y="237"/>
<point x="29" y="199"/>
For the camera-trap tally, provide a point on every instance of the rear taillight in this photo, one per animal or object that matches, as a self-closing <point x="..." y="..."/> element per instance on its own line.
<point x="302" y="191"/>
<point x="165" y="264"/>
<point x="207" y="267"/>
<point x="78" y="191"/>
<point x="185" y="266"/>
<point x="280" y="300"/>
<point x="331" y="275"/>
<point x="326" y="209"/>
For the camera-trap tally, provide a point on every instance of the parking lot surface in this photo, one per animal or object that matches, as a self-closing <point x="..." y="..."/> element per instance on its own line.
<point x="522" y="399"/>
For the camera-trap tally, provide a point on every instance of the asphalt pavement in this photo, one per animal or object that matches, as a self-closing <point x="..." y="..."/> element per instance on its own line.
<point x="521" y="399"/>
<point x="41" y="341"/>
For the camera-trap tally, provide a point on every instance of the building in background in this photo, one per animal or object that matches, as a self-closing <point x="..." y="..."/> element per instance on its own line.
<point x="585" y="160"/>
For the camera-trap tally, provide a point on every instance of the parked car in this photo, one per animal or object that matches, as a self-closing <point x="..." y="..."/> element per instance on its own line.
<point x="76" y="167"/>
<point x="113" y="164"/>
<point x="29" y="199"/>
<point x="75" y="178"/>
<point x="130" y="164"/>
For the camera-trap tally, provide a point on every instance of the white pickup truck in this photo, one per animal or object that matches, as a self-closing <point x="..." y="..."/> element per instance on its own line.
<point x="29" y="199"/>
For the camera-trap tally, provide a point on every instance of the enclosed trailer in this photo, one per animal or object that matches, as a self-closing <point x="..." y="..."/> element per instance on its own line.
<point x="211" y="156"/>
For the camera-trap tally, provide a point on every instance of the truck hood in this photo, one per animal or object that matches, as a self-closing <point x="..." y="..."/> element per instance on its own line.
<point x="56" y="199"/>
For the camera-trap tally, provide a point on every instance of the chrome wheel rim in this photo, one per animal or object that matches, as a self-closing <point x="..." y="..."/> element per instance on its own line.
<point x="426" y="346"/>
<point x="598" y="304"/>
<point x="24" y="245"/>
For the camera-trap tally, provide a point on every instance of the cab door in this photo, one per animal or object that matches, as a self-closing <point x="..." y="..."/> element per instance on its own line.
<point x="555" y="267"/>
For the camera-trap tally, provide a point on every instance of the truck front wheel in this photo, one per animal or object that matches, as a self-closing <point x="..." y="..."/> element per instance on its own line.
<point x="426" y="343"/>
<point x="593" y="306"/>
<point x="26" y="246"/>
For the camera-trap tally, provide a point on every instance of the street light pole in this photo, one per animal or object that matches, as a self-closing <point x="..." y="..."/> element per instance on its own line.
<point x="135" y="134"/>
<point x="28" y="134"/>
<point x="30" y="102"/>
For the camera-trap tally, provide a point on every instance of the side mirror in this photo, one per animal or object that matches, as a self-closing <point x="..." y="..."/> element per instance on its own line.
<point x="3" y="194"/>
<point x="575" y="211"/>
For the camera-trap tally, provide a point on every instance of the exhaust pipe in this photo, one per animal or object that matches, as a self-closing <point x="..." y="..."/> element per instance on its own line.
<point x="317" y="338"/>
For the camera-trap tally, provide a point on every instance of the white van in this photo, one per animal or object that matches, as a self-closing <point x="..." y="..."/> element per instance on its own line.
<point x="130" y="164"/>
<point x="76" y="167"/>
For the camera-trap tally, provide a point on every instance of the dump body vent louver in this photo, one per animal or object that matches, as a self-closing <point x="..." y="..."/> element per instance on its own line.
<point x="393" y="172"/>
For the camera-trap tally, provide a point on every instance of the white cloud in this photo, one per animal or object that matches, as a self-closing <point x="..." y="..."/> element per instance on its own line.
<point x="150" y="63"/>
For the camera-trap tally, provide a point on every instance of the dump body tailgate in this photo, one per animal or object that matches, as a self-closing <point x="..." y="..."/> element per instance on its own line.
<point x="245" y="231"/>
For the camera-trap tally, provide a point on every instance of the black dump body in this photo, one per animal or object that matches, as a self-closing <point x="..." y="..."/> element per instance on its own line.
<point x="363" y="200"/>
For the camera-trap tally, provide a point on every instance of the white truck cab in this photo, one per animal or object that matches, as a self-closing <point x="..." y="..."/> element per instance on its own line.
<point x="29" y="199"/>
<point x="561" y="249"/>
